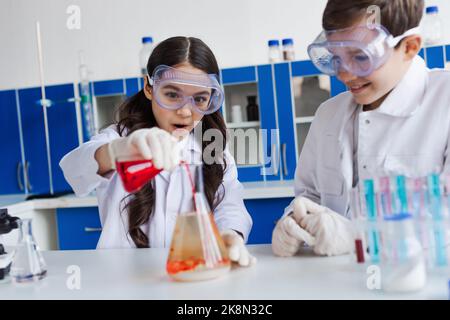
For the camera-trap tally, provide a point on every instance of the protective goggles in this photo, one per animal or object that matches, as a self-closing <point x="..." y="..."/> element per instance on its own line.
<point x="358" y="50"/>
<point x="173" y="89"/>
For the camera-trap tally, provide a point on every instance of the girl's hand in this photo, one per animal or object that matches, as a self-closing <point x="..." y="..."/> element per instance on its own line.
<point x="152" y="144"/>
<point x="237" y="251"/>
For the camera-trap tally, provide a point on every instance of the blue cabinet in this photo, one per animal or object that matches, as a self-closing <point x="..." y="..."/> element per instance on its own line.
<point x="11" y="161"/>
<point x="285" y="119"/>
<point x="447" y="53"/>
<point x="265" y="214"/>
<point x="244" y="140"/>
<point x="63" y="131"/>
<point x="281" y="132"/>
<point x="270" y="135"/>
<point x="63" y="136"/>
<point x="435" y="57"/>
<point x="109" y="87"/>
<point x="78" y="228"/>
<point x="132" y="86"/>
<point x="35" y="149"/>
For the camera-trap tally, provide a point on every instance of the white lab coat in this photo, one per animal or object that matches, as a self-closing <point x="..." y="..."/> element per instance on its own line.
<point x="408" y="134"/>
<point x="80" y="170"/>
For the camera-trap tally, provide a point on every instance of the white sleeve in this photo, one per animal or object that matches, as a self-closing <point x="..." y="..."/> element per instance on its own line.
<point x="305" y="183"/>
<point x="231" y="212"/>
<point x="80" y="167"/>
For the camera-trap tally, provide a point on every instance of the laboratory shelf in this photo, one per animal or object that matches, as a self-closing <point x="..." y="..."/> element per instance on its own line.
<point x="304" y="120"/>
<point x="246" y="124"/>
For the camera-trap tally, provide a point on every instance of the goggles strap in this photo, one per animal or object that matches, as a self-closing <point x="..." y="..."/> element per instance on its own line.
<point x="150" y="80"/>
<point x="392" y="42"/>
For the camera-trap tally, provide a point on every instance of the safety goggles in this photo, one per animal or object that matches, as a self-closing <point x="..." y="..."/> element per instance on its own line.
<point x="173" y="89"/>
<point x="358" y="50"/>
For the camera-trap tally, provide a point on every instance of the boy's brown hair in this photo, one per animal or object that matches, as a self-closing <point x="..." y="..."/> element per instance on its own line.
<point x="397" y="16"/>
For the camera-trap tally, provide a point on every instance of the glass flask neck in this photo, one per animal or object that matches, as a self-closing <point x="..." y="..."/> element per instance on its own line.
<point x="193" y="196"/>
<point x="25" y="229"/>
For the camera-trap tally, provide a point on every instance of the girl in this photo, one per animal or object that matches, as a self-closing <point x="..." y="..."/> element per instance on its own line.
<point x="180" y="93"/>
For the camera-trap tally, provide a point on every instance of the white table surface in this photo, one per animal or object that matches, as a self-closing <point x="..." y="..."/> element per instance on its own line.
<point x="140" y="274"/>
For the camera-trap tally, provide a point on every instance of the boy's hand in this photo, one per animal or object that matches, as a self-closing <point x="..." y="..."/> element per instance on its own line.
<point x="333" y="233"/>
<point x="288" y="237"/>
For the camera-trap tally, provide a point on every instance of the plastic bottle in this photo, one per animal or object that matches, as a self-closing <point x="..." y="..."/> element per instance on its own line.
<point x="236" y="114"/>
<point x="432" y="26"/>
<point x="144" y="54"/>
<point x="288" y="49"/>
<point x="274" y="51"/>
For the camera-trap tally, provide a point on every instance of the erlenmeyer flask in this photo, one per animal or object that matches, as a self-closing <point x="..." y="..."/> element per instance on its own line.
<point x="136" y="173"/>
<point x="197" y="251"/>
<point x="28" y="263"/>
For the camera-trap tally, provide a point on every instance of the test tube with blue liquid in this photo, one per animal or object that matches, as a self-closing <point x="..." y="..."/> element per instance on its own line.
<point x="403" y="207"/>
<point x="436" y="209"/>
<point x="371" y="208"/>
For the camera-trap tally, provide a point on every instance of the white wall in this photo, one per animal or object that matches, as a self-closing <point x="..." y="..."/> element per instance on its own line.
<point x="236" y="30"/>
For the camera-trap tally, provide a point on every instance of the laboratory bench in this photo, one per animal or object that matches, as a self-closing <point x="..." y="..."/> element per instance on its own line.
<point x="141" y="274"/>
<point x="73" y="223"/>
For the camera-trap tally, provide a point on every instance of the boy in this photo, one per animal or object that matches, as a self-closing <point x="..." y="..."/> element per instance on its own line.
<point x="394" y="118"/>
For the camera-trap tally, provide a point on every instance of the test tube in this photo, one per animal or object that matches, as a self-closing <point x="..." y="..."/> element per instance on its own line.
<point x="401" y="193"/>
<point x="374" y="238"/>
<point x="435" y="206"/>
<point x="356" y="218"/>
<point x="418" y="207"/>
<point x="385" y="196"/>
<point x="446" y="179"/>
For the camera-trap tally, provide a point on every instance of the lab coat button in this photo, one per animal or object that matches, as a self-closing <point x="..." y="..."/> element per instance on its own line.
<point x="367" y="121"/>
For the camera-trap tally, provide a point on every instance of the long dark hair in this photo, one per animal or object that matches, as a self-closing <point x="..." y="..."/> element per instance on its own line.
<point x="136" y="113"/>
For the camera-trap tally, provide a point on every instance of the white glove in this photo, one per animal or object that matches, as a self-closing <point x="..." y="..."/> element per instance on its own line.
<point x="288" y="237"/>
<point x="333" y="233"/>
<point x="154" y="143"/>
<point x="237" y="251"/>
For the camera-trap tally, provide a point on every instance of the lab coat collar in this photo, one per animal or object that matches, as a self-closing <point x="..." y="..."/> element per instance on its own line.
<point x="403" y="101"/>
<point x="343" y="112"/>
<point x="408" y="95"/>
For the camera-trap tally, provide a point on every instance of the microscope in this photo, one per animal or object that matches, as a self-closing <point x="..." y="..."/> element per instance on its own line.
<point x="7" y="224"/>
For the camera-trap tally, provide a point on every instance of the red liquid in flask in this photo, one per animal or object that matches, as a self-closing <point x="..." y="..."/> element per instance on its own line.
<point x="136" y="173"/>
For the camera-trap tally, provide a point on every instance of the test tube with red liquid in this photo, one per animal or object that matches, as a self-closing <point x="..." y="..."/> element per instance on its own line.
<point x="356" y="219"/>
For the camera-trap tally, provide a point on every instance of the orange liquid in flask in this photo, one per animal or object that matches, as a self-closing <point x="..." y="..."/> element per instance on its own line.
<point x="197" y="251"/>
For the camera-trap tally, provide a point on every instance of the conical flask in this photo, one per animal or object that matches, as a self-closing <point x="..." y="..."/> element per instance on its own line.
<point x="197" y="251"/>
<point x="28" y="263"/>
